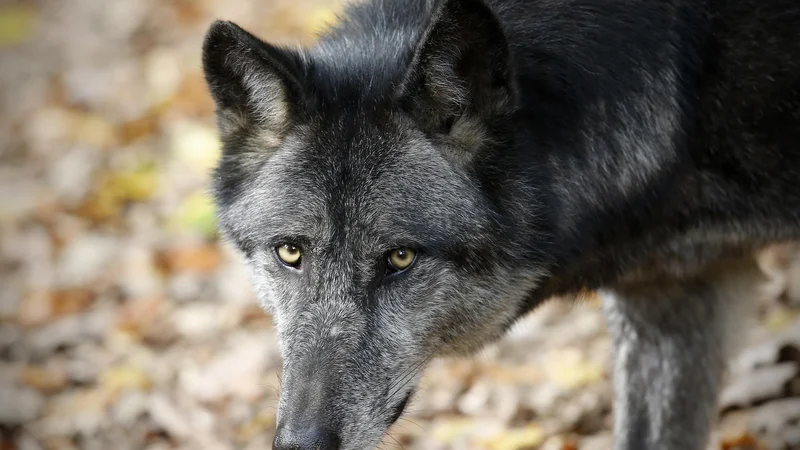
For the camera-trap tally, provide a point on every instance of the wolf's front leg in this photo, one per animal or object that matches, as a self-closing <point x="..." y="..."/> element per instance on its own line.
<point x="671" y="342"/>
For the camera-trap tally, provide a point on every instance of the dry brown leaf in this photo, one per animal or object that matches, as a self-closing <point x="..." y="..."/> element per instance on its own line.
<point x="70" y="301"/>
<point x="201" y="258"/>
<point x="744" y="441"/>
<point x="43" y="379"/>
<point x="137" y="129"/>
<point x="35" y="308"/>
<point x="92" y="129"/>
<point x="188" y="12"/>
<point x="192" y="98"/>
<point x="522" y="374"/>
<point x="261" y="422"/>
<point x="570" y="445"/>
<point x="113" y="190"/>
<point x="60" y="443"/>
<point x="139" y="316"/>
<point x="88" y="400"/>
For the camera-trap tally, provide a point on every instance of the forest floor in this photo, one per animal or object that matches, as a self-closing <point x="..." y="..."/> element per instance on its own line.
<point x="126" y="324"/>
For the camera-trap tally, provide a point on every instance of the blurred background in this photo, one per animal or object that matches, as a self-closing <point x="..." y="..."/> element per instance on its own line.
<point x="126" y="324"/>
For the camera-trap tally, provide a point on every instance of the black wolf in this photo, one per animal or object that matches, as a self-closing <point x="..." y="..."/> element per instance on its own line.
<point x="431" y="170"/>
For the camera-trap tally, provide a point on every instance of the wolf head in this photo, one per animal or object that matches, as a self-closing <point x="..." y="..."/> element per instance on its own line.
<point x="350" y="180"/>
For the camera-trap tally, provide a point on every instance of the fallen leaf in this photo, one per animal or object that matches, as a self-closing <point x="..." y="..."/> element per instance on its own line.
<point x="197" y="213"/>
<point x="261" y="422"/>
<point x="126" y="376"/>
<point x="144" y="320"/>
<point x="137" y="129"/>
<point x="92" y="129"/>
<point x="134" y="185"/>
<point x="570" y="445"/>
<point x="527" y="438"/>
<point x="70" y="301"/>
<point x="319" y="19"/>
<point x="450" y="429"/>
<point x="84" y="401"/>
<point x="761" y="384"/>
<point x="196" y="146"/>
<point x="192" y="98"/>
<point x="43" y="379"/>
<point x="199" y="258"/>
<point x="744" y="441"/>
<point x="16" y="24"/>
<point x="188" y="12"/>
<point x="115" y="189"/>
<point x="570" y="369"/>
<point x="34" y="308"/>
<point x="779" y="319"/>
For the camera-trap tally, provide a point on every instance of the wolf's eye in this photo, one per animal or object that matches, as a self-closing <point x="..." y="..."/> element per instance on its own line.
<point x="401" y="259"/>
<point x="289" y="254"/>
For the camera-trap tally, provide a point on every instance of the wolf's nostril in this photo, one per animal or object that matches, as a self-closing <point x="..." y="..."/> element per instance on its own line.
<point x="313" y="438"/>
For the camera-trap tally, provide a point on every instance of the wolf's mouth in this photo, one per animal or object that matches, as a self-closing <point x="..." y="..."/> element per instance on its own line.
<point x="398" y="409"/>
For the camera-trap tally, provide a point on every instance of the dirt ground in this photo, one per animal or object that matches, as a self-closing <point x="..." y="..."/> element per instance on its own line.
<point x="125" y="324"/>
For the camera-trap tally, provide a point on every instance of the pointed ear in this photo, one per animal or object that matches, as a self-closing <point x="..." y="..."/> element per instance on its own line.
<point x="253" y="83"/>
<point x="462" y="67"/>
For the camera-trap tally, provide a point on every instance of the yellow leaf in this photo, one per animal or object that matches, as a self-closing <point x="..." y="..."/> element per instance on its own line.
<point x="569" y="369"/>
<point x="779" y="319"/>
<point x="517" y="439"/>
<point x="136" y="185"/>
<point x="113" y="190"/>
<point x="196" y="212"/>
<point x="124" y="377"/>
<point x="16" y="24"/>
<point x="197" y="146"/>
<point x="319" y="19"/>
<point x="449" y="430"/>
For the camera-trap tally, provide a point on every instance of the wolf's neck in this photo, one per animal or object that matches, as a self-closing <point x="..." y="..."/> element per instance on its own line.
<point x="610" y="115"/>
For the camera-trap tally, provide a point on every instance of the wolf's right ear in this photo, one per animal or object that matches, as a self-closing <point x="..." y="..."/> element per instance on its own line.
<point x="253" y="84"/>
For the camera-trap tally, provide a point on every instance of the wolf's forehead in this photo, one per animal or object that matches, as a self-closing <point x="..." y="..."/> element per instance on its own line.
<point x="368" y="185"/>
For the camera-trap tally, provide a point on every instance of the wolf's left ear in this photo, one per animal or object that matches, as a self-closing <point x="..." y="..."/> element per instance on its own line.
<point x="252" y="82"/>
<point x="462" y="66"/>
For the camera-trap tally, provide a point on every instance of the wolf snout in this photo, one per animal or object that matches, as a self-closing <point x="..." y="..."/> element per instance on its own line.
<point x="305" y="438"/>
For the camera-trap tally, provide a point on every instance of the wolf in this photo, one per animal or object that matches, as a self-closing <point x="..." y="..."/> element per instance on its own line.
<point x="429" y="171"/>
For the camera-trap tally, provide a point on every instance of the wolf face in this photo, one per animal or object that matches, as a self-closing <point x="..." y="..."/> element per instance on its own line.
<point x="351" y="191"/>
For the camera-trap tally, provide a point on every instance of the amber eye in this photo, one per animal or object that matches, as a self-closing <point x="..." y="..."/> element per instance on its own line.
<point x="401" y="258"/>
<point x="289" y="254"/>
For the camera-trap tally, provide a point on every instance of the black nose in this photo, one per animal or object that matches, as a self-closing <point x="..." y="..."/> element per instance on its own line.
<point x="314" y="438"/>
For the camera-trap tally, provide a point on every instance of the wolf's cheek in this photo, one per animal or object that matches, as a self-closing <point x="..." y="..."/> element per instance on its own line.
<point x="470" y="312"/>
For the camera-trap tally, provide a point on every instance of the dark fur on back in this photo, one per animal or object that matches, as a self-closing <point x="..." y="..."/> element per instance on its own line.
<point x="729" y="167"/>
<point x="525" y="148"/>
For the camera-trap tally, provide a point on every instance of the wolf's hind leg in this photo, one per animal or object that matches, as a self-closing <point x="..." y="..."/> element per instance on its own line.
<point x="671" y="343"/>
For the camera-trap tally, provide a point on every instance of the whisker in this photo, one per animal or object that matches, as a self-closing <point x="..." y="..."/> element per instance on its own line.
<point x="396" y="441"/>
<point x="405" y="419"/>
